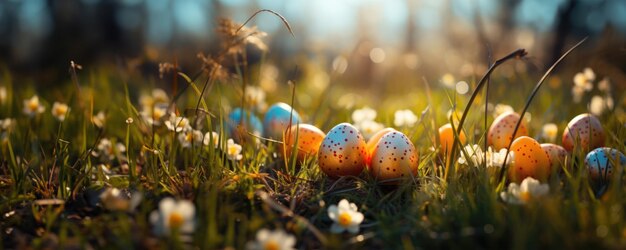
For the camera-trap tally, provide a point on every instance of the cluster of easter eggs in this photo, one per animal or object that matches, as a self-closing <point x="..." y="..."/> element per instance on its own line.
<point x="390" y="155"/>
<point x="531" y="159"/>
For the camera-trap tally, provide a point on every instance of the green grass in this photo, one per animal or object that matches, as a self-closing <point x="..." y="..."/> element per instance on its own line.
<point x="42" y="158"/>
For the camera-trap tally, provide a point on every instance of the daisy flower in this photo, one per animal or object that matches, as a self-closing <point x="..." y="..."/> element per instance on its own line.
<point x="173" y="216"/>
<point x="177" y="123"/>
<point x="106" y="150"/>
<point x="404" y="118"/>
<point x="272" y="240"/>
<point x="190" y="137"/>
<point x="345" y="217"/>
<point x="364" y="114"/>
<point x="474" y="154"/>
<point x="207" y="139"/>
<point x="60" y="110"/>
<point x="255" y="96"/>
<point x="233" y="150"/>
<point x="33" y="107"/>
<point x="368" y="128"/>
<point x="528" y="190"/>
<point x="99" y="119"/>
<point x="153" y="115"/>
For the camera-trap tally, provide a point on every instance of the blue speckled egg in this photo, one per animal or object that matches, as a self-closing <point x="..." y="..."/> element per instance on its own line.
<point x="601" y="161"/>
<point x="240" y="123"/>
<point x="277" y="120"/>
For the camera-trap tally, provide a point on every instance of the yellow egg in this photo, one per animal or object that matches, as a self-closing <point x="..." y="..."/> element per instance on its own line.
<point x="446" y="138"/>
<point x="342" y="151"/>
<point x="309" y="138"/>
<point x="394" y="157"/>
<point x="529" y="160"/>
<point x="501" y="131"/>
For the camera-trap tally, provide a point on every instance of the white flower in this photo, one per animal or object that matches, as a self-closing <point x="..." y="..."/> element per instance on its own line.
<point x="255" y="96"/>
<point x="177" y="123"/>
<point x="598" y="105"/>
<point x="99" y="119"/>
<point x="157" y="97"/>
<point x="233" y="150"/>
<point x="115" y="200"/>
<point x="581" y="81"/>
<point x="364" y="114"/>
<point x="153" y="115"/>
<point x="60" y="110"/>
<point x="33" y="107"/>
<point x="475" y="154"/>
<point x="173" y="216"/>
<point x="404" y="118"/>
<point x="107" y="151"/>
<point x="368" y="128"/>
<point x="528" y="190"/>
<point x="496" y="159"/>
<point x="272" y="240"/>
<point x="501" y="108"/>
<point x="6" y="125"/>
<point x="589" y="74"/>
<point x="3" y="94"/>
<point x="190" y="137"/>
<point x="211" y="135"/>
<point x="605" y="85"/>
<point x="577" y="94"/>
<point x="345" y="217"/>
<point x="549" y="132"/>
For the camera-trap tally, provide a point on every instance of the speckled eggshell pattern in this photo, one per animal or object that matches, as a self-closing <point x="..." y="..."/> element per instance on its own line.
<point x="529" y="160"/>
<point x="556" y="155"/>
<point x="501" y="130"/>
<point x="309" y="139"/>
<point x="446" y="138"/>
<point x="276" y="120"/>
<point x="584" y="129"/>
<point x="601" y="162"/>
<point x="371" y="144"/>
<point x="394" y="157"/>
<point x="342" y="152"/>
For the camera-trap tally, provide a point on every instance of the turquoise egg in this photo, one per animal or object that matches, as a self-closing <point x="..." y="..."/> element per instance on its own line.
<point x="277" y="120"/>
<point x="240" y="123"/>
<point x="601" y="163"/>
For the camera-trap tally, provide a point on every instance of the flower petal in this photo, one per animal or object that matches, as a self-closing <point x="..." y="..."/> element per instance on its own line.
<point x="333" y="212"/>
<point x="336" y="228"/>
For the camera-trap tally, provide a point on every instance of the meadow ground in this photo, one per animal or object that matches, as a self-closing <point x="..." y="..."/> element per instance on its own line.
<point x="100" y="172"/>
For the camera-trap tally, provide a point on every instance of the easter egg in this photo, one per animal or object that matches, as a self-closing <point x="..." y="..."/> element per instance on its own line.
<point x="529" y="160"/>
<point x="585" y="131"/>
<point x="601" y="162"/>
<point x="240" y="123"/>
<point x="276" y="120"/>
<point x="446" y="138"/>
<point x="556" y="155"/>
<point x="371" y="144"/>
<point x="307" y="139"/>
<point x="394" y="157"/>
<point x="501" y="131"/>
<point x="342" y="151"/>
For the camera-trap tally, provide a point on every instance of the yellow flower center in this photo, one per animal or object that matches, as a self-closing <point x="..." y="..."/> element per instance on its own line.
<point x="33" y="105"/>
<point x="61" y="110"/>
<point x="232" y="150"/>
<point x="189" y="137"/>
<point x="345" y="219"/>
<point x="271" y="245"/>
<point x="176" y="220"/>
<point x="525" y="196"/>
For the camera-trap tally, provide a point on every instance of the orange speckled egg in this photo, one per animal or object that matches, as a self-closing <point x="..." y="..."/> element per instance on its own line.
<point x="529" y="159"/>
<point x="342" y="151"/>
<point x="556" y="154"/>
<point x="446" y="138"/>
<point x="501" y="130"/>
<point x="371" y="144"/>
<point x="394" y="157"/>
<point x="584" y="130"/>
<point x="309" y="139"/>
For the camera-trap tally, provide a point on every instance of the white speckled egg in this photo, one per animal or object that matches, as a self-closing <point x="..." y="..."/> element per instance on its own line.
<point x="585" y="130"/>
<point x="342" y="151"/>
<point x="556" y="155"/>
<point x="394" y="157"/>
<point x="276" y="120"/>
<point x="601" y="161"/>
<point x="501" y="130"/>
